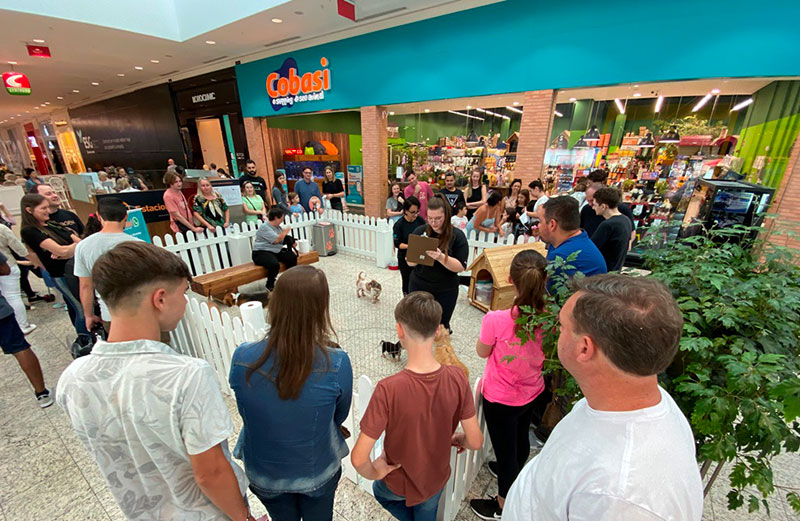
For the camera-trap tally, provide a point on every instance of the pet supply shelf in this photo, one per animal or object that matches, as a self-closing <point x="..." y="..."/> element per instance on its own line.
<point x="292" y="157"/>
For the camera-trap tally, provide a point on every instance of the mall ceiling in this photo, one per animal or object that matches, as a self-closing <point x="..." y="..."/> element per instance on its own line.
<point x="91" y="62"/>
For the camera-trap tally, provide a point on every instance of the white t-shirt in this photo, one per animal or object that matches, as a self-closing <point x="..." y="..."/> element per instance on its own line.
<point x="539" y="202"/>
<point x="89" y="250"/>
<point x="459" y="222"/>
<point x="141" y="409"/>
<point x="612" y="466"/>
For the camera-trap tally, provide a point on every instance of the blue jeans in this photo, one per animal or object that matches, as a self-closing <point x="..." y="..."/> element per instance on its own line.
<point x="74" y="307"/>
<point x="396" y="505"/>
<point x="316" y="505"/>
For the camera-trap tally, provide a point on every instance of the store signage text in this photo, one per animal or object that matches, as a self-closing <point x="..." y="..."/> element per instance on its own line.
<point x="200" y="98"/>
<point x="17" y="84"/>
<point x="287" y="86"/>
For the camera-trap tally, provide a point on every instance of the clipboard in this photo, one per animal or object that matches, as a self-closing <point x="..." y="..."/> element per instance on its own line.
<point x="417" y="246"/>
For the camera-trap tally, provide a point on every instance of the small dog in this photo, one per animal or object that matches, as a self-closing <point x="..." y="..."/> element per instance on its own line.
<point x="237" y="299"/>
<point x="390" y="348"/>
<point x="366" y="288"/>
<point x="444" y="353"/>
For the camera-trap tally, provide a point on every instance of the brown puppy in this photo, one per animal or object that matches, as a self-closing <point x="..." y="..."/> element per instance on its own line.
<point x="365" y="288"/>
<point x="444" y="353"/>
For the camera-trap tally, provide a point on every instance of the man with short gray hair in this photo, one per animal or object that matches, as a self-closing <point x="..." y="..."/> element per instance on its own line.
<point x="625" y="451"/>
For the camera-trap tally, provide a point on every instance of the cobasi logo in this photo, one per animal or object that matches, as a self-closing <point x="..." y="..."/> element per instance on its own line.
<point x="287" y="86"/>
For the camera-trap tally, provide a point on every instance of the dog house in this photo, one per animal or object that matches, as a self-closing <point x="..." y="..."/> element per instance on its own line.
<point x="489" y="288"/>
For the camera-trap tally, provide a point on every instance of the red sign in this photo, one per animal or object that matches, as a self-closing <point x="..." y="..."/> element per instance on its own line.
<point x="39" y="51"/>
<point x="17" y="84"/>
<point x="347" y="9"/>
<point x="293" y="152"/>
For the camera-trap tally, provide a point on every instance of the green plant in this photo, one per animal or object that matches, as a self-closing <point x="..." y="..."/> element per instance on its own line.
<point x="691" y="126"/>
<point x="736" y="373"/>
<point x="661" y="187"/>
<point x="628" y="184"/>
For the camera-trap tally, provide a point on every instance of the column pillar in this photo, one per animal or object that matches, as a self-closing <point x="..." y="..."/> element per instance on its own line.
<point x="375" y="159"/>
<point x="786" y="205"/>
<point x="260" y="150"/>
<point x="534" y="134"/>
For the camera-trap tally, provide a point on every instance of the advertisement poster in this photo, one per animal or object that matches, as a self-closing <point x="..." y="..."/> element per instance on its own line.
<point x="232" y="193"/>
<point x="355" y="184"/>
<point x="135" y="226"/>
<point x="150" y="202"/>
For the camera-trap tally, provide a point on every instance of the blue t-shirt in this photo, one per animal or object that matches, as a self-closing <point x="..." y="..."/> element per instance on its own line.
<point x="589" y="261"/>
<point x="306" y="191"/>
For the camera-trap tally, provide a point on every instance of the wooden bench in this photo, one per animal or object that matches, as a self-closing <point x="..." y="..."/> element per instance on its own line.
<point x="219" y="283"/>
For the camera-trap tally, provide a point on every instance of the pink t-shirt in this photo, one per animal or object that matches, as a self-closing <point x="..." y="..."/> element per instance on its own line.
<point x="175" y="201"/>
<point x="516" y="382"/>
<point x="424" y="194"/>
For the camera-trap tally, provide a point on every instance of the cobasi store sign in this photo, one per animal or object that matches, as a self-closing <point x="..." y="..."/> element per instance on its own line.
<point x="288" y="85"/>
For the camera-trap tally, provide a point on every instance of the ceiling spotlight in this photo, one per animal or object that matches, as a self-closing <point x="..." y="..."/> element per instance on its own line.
<point x="512" y="109"/>
<point x="635" y="86"/>
<point x="36" y="108"/>
<point x="75" y="91"/>
<point x="701" y="103"/>
<point x="620" y="107"/>
<point x="391" y="113"/>
<point x="277" y="21"/>
<point x="211" y="42"/>
<point x="714" y="91"/>
<point x="742" y="105"/>
<point x="427" y="110"/>
<point x="12" y="63"/>
<point x="671" y="137"/>
<point x="59" y="97"/>
<point x="121" y="74"/>
<point x="46" y="102"/>
<point x="95" y="83"/>
<point x="581" y="144"/>
<point x="593" y="136"/>
<point x="155" y="61"/>
<point x="469" y="107"/>
<point x="637" y="94"/>
<point x="573" y="99"/>
<point x="38" y="40"/>
<point x="138" y="68"/>
<point x="659" y="102"/>
<point x="515" y="103"/>
<point x="557" y="113"/>
<point x="646" y="141"/>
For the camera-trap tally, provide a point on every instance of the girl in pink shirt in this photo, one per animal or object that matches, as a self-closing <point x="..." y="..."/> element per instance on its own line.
<point x="511" y="387"/>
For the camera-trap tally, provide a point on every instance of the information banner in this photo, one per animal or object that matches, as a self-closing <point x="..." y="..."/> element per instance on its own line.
<point x="232" y="193"/>
<point x="135" y="225"/>
<point x="355" y="184"/>
<point x="150" y="202"/>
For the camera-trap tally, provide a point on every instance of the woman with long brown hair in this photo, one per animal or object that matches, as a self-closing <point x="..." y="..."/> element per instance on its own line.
<point x="512" y="388"/>
<point x="293" y="390"/>
<point x="450" y="259"/>
<point x="52" y="246"/>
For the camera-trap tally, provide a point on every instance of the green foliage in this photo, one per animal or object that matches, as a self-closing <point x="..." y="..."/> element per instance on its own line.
<point x="736" y="373"/>
<point x="691" y="126"/>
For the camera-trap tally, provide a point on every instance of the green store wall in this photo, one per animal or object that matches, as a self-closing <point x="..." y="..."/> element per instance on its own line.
<point x="769" y="129"/>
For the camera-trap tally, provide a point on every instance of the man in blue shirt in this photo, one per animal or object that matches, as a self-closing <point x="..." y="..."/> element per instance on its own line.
<point x="308" y="190"/>
<point x="559" y="227"/>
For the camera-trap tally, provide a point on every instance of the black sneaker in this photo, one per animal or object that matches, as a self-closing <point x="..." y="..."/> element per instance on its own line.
<point x="492" y="468"/>
<point x="44" y="398"/>
<point x="487" y="508"/>
<point x="36" y="297"/>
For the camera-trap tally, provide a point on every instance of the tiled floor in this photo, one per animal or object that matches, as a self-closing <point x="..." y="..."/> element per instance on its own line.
<point x="45" y="473"/>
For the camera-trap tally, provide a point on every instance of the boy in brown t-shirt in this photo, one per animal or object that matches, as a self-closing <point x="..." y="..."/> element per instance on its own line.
<point x="419" y="408"/>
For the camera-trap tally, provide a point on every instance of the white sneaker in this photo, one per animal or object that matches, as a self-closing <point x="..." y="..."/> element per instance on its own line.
<point x="58" y="305"/>
<point x="29" y="329"/>
<point x="45" y="400"/>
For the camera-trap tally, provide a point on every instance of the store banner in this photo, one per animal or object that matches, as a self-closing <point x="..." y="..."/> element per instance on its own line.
<point x="150" y="202"/>
<point x="355" y="184"/>
<point x="135" y="225"/>
<point x="17" y="84"/>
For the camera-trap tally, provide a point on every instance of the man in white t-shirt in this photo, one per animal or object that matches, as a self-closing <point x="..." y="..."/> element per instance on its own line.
<point x="625" y="451"/>
<point x="154" y="420"/>
<point x="113" y="214"/>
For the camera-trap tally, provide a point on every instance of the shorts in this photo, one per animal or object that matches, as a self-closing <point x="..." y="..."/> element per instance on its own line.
<point x="12" y="340"/>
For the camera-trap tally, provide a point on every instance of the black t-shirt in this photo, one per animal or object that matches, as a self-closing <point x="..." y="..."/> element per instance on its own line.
<point x="590" y="220"/>
<point x="68" y="219"/>
<point x="334" y="187"/>
<point x="612" y="238"/>
<point x="437" y="277"/>
<point x="477" y="195"/>
<point x="402" y="229"/>
<point x="259" y="185"/>
<point x="33" y="238"/>
<point x="453" y="197"/>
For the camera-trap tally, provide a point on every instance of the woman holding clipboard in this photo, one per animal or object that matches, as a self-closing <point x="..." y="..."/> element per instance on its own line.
<point x="449" y="259"/>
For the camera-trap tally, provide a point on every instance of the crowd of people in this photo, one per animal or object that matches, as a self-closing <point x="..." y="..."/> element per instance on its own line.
<point x="157" y="425"/>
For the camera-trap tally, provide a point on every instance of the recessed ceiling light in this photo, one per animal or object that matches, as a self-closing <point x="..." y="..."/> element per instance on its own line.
<point x="573" y="99"/>
<point x="19" y="114"/>
<point x="38" y="40"/>
<point x="515" y="103"/>
<point x="138" y="68"/>
<point x="46" y="102"/>
<point x="155" y="61"/>
<point x="714" y="91"/>
<point x="95" y="83"/>
<point x="59" y="97"/>
<point x="12" y="63"/>
<point x="120" y="74"/>
<point x="211" y="42"/>
<point x="635" y="86"/>
<point x="277" y="21"/>
<point x="36" y="108"/>
<point x="391" y="113"/>
<point x="75" y="91"/>
<point x="427" y="110"/>
<point x="12" y="117"/>
<point x="469" y="107"/>
<point x="27" y="112"/>
<point x="637" y="94"/>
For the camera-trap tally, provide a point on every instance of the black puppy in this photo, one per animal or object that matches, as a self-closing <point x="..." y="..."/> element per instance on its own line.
<point x="392" y="348"/>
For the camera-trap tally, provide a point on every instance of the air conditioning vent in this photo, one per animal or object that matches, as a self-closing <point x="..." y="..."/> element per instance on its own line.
<point x="279" y="42"/>
<point x="170" y="73"/>
<point x="212" y="60"/>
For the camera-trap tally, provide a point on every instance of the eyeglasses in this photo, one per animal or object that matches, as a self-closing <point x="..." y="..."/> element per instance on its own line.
<point x="435" y="219"/>
<point x="412" y="212"/>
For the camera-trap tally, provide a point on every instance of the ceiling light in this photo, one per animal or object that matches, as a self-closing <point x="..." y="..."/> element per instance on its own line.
<point x="512" y="109"/>
<point x="211" y="42"/>
<point x="95" y="83"/>
<point x="637" y="94"/>
<point x="557" y="113"/>
<point x="59" y="97"/>
<point x="581" y="144"/>
<point x="155" y="61"/>
<point x="12" y="63"/>
<point x="277" y="21"/>
<point x="121" y="74"/>
<point x="427" y="110"/>
<point x="593" y="136"/>
<point x="714" y="91"/>
<point x="469" y="107"/>
<point x="479" y="109"/>
<point x="75" y="91"/>
<point x="46" y="102"/>
<point x="38" y="40"/>
<point x="619" y="106"/>
<point x="12" y="117"/>
<point x="465" y="115"/>
<point x="742" y="105"/>
<point x="647" y="141"/>
<point x="138" y="68"/>
<point x="19" y="114"/>
<point x="701" y="103"/>
<point x="36" y="108"/>
<point x="515" y="103"/>
<point x="573" y="99"/>
<point x="659" y="102"/>
<point x="671" y="137"/>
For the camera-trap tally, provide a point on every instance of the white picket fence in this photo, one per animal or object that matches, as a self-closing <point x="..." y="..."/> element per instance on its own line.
<point x="355" y="234"/>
